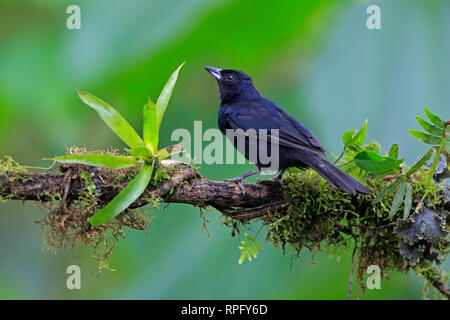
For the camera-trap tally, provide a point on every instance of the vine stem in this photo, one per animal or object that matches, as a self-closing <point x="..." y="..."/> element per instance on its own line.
<point x="340" y="156"/>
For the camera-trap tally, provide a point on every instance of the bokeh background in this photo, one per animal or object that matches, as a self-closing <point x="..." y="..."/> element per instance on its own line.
<point x="316" y="58"/>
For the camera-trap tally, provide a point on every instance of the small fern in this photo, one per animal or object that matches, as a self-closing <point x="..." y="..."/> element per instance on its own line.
<point x="249" y="249"/>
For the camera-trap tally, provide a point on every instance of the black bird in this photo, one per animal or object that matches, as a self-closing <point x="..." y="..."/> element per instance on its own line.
<point x="242" y="107"/>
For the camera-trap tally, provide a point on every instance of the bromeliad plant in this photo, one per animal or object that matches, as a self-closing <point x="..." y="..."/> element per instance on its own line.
<point x="143" y="152"/>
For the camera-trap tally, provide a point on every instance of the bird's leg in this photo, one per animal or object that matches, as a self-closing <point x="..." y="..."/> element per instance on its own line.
<point x="240" y="178"/>
<point x="279" y="178"/>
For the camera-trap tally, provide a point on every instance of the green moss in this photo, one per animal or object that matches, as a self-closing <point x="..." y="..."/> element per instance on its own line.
<point x="13" y="170"/>
<point x="320" y="217"/>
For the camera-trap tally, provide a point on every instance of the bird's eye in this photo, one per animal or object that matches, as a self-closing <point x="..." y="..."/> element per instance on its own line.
<point x="230" y="77"/>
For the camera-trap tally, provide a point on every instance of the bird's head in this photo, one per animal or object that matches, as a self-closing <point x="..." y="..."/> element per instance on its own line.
<point x="233" y="84"/>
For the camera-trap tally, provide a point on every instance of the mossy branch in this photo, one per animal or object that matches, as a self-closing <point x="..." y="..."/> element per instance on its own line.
<point x="305" y="214"/>
<point x="180" y="184"/>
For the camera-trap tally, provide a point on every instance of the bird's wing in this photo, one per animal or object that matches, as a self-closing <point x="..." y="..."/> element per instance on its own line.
<point x="302" y="131"/>
<point x="291" y="134"/>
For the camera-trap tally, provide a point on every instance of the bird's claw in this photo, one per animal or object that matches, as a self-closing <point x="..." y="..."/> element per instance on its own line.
<point x="279" y="178"/>
<point x="239" y="182"/>
<point x="280" y="181"/>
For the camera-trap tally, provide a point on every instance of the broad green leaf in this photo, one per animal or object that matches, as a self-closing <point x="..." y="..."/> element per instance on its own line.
<point x="166" y="152"/>
<point x="125" y="198"/>
<point x="388" y="189"/>
<point x="99" y="160"/>
<point x="241" y="259"/>
<point x="434" y="118"/>
<point x="360" y="136"/>
<point x="424" y="137"/>
<point x="151" y="128"/>
<point x="113" y="119"/>
<point x="393" y="151"/>
<point x="429" y="127"/>
<point x="398" y="199"/>
<point x="141" y="152"/>
<point x="373" y="162"/>
<point x="166" y="93"/>
<point x="348" y="135"/>
<point x="408" y="201"/>
<point x="420" y="163"/>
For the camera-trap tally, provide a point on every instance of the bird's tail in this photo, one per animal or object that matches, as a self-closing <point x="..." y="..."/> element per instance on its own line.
<point x="334" y="175"/>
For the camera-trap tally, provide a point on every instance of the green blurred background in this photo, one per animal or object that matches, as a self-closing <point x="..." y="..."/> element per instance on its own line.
<point x="317" y="59"/>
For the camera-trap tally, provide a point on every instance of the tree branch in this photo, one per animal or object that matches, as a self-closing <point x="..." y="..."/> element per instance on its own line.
<point x="184" y="185"/>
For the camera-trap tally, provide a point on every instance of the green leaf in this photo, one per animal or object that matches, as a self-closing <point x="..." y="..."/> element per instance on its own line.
<point x="372" y="146"/>
<point x="408" y="201"/>
<point x="373" y="162"/>
<point x="359" y="138"/>
<point x="249" y="237"/>
<point x="249" y="256"/>
<point x="125" y="198"/>
<point x="249" y="248"/>
<point x="388" y="189"/>
<point x="245" y="243"/>
<point x="87" y="177"/>
<point x="151" y="128"/>
<point x="258" y="244"/>
<point x="166" y="152"/>
<point x="350" y="153"/>
<point x="113" y="119"/>
<point x="434" y="118"/>
<point x="253" y="251"/>
<point x="99" y="160"/>
<point x="420" y="163"/>
<point x="141" y="152"/>
<point x="348" y="135"/>
<point x="354" y="139"/>
<point x="166" y="93"/>
<point x="393" y="151"/>
<point x="429" y="127"/>
<point x="398" y="199"/>
<point x="424" y="137"/>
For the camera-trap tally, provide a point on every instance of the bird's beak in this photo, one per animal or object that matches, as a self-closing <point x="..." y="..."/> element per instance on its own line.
<point x="215" y="72"/>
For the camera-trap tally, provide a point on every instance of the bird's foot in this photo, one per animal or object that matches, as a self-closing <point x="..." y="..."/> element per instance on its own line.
<point x="280" y="181"/>
<point x="240" y="178"/>
<point x="279" y="178"/>
<point x="239" y="182"/>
